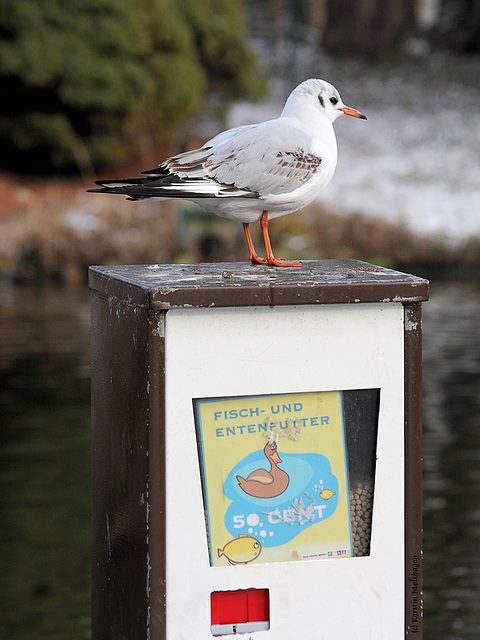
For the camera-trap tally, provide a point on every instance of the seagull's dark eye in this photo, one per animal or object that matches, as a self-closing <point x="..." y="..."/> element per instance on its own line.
<point x="333" y="100"/>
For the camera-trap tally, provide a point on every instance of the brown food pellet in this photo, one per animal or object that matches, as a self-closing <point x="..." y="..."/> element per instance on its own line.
<point x="361" y="505"/>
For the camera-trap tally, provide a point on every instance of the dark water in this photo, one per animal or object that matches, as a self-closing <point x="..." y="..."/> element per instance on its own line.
<point x="452" y="463"/>
<point x="45" y="464"/>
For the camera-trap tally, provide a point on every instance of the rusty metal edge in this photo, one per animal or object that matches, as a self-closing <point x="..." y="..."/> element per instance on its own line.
<point x="413" y="472"/>
<point x="272" y="295"/>
<point x="156" y="478"/>
<point x="128" y="290"/>
<point x="121" y="280"/>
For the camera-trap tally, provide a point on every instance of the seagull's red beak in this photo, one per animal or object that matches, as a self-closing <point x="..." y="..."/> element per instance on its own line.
<point x="353" y="112"/>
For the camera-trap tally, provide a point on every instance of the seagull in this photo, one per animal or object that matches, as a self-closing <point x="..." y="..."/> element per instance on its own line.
<point x="254" y="173"/>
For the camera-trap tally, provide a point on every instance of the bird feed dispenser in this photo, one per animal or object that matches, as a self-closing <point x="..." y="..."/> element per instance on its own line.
<point x="256" y="452"/>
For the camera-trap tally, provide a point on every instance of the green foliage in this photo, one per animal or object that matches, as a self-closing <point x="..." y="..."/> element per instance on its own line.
<point x="97" y="80"/>
<point x="220" y="34"/>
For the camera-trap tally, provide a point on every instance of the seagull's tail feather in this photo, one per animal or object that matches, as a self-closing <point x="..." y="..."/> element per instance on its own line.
<point x="134" y="188"/>
<point x="157" y="186"/>
<point x="110" y="185"/>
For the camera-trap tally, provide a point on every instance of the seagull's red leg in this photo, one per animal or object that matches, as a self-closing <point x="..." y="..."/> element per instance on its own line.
<point x="254" y="257"/>
<point x="271" y="260"/>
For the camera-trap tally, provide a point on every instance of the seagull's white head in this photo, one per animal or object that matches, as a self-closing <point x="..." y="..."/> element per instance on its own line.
<point x="321" y="97"/>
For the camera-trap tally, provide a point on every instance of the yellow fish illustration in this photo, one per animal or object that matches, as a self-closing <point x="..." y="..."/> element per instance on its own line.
<point x="326" y="494"/>
<point x="241" y="550"/>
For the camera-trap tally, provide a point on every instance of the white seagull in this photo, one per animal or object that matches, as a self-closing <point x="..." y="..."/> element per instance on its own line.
<point x="254" y="172"/>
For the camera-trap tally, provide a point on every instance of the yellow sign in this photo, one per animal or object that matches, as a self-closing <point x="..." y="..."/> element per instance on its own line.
<point x="274" y="477"/>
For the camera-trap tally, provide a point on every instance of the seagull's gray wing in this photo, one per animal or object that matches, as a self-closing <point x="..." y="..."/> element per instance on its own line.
<point x="265" y="159"/>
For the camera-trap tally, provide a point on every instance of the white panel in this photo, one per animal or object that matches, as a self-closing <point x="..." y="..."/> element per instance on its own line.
<point x="243" y="351"/>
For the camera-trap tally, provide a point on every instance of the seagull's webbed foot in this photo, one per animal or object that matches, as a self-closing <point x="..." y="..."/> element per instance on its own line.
<point x="255" y="259"/>
<point x="270" y="259"/>
<point x="276" y="262"/>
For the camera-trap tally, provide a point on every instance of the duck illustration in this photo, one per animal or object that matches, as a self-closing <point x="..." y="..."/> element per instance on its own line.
<point x="266" y="484"/>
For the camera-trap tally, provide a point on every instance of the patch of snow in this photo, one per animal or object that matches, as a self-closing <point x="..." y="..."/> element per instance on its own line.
<point x="83" y="221"/>
<point x="416" y="160"/>
<point x="419" y="168"/>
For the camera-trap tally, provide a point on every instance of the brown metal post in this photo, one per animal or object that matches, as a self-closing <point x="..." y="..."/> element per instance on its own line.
<point x="413" y="472"/>
<point x="156" y="586"/>
<point x="119" y="468"/>
<point x="129" y="306"/>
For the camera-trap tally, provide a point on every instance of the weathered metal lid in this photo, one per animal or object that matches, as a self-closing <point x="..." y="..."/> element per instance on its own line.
<point x="223" y="284"/>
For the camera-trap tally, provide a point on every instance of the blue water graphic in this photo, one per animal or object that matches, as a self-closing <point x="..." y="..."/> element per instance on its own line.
<point x="276" y="521"/>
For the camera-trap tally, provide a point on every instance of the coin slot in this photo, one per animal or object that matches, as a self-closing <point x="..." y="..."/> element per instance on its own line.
<point x="240" y="611"/>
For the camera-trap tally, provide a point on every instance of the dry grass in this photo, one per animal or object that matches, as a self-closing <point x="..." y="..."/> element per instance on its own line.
<point x="321" y="234"/>
<point x="59" y="237"/>
<point x="57" y="232"/>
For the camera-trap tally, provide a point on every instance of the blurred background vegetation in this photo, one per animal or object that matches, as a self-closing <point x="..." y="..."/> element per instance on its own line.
<point x="106" y="88"/>
<point x="96" y="82"/>
<point x="98" y="88"/>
